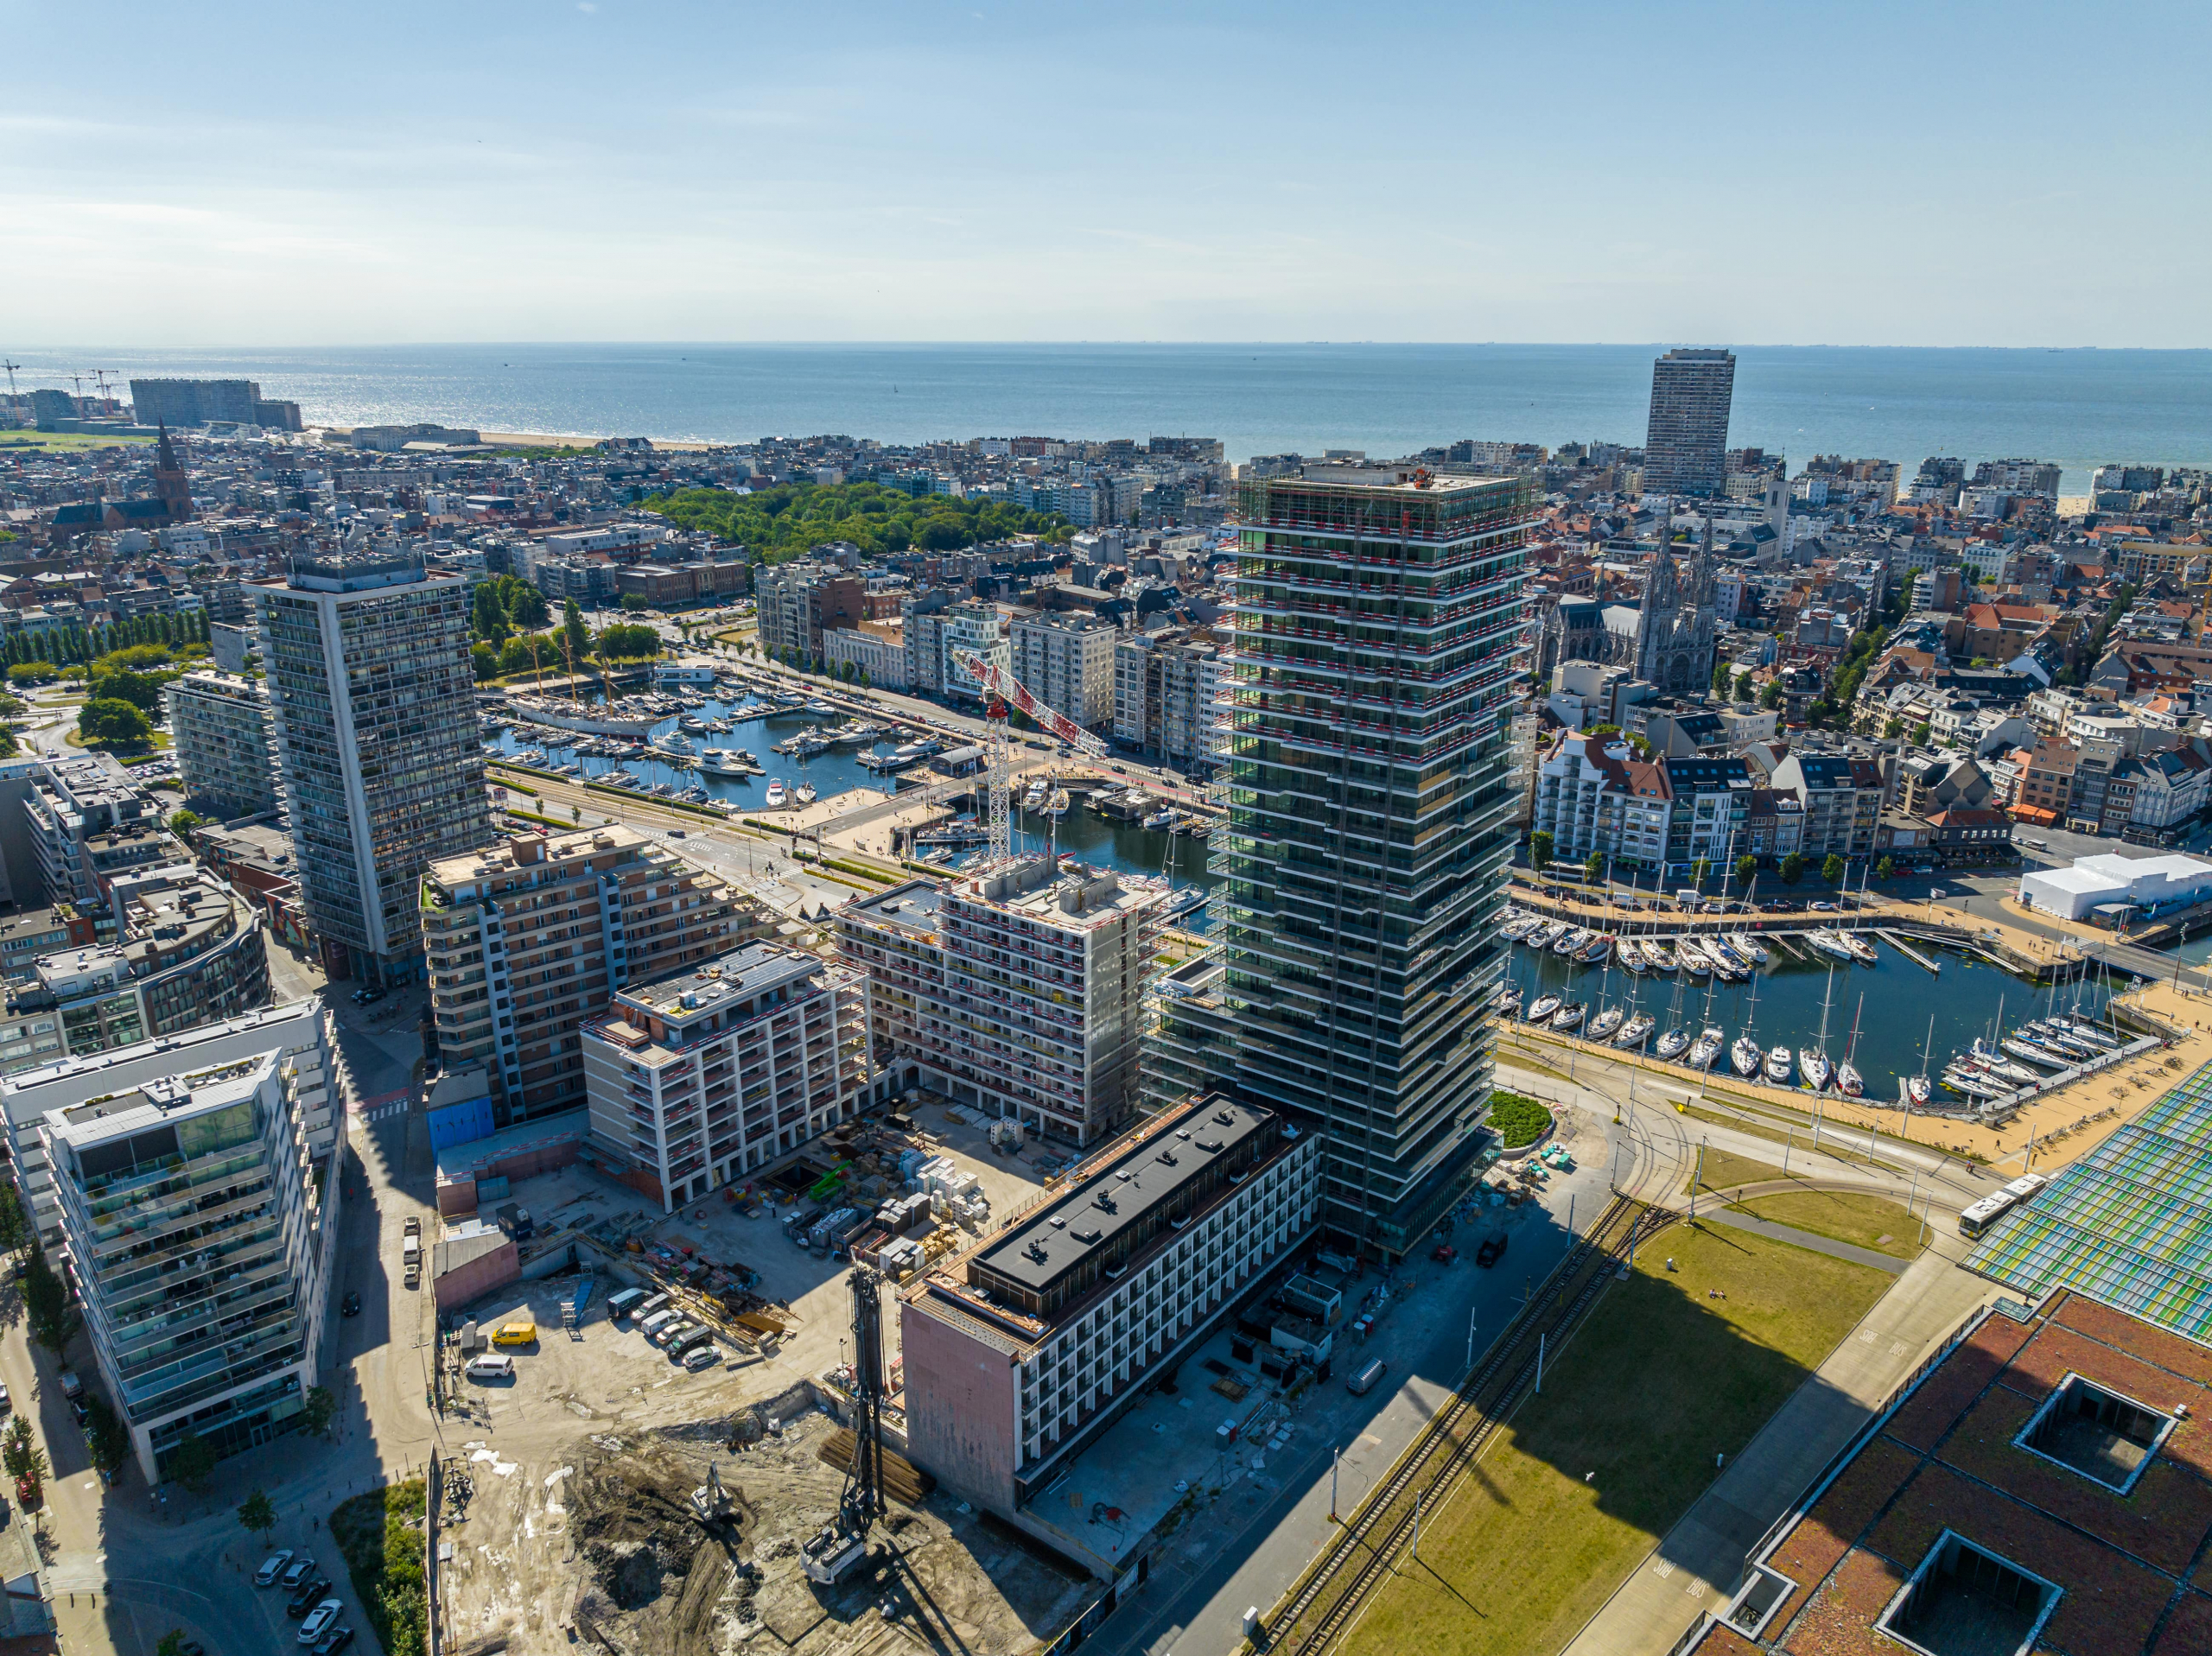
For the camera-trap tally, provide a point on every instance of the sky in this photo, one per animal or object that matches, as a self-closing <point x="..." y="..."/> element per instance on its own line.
<point x="226" y="173"/>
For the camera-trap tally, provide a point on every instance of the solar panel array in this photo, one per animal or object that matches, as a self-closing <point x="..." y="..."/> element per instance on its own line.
<point x="2129" y="1224"/>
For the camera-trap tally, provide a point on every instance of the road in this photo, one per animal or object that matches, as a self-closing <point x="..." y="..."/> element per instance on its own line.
<point x="128" y="1566"/>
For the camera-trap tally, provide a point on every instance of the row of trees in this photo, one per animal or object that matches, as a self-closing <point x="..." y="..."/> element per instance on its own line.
<point x="61" y="645"/>
<point x="799" y="661"/>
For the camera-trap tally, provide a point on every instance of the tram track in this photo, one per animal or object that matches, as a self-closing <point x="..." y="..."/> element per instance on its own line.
<point x="1326" y="1601"/>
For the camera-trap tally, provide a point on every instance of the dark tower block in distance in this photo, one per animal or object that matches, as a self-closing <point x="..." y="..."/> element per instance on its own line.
<point x="1686" y="444"/>
<point x="1381" y="636"/>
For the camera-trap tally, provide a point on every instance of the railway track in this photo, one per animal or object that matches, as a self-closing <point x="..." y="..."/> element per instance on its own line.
<point x="1327" y="1600"/>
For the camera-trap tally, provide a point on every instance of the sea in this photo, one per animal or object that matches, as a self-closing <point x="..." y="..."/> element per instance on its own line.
<point x="2082" y="408"/>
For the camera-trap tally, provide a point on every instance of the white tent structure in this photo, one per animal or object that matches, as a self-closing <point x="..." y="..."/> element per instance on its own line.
<point x="2145" y="884"/>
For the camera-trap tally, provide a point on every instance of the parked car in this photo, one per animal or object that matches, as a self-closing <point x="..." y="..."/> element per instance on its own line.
<point x="272" y="1567"/>
<point x="701" y="1357"/>
<point x="310" y="1595"/>
<point x="6" y="1404"/>
<point x="331" y="1643"/>
<point x="319" y="1620"/>
<point x="350" y="1306"/>
<point x="1823" y="908"/>
<point x="1491" y="1251"/>
<point x="303" y="1567"/>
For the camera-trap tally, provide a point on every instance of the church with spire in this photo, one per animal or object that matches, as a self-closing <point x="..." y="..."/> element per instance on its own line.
<point x="1677" y="628"/>
<point x="169" y="484"/>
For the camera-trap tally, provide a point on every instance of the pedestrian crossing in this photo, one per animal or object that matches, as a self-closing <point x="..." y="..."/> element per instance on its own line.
<point x="383" y="1106"/>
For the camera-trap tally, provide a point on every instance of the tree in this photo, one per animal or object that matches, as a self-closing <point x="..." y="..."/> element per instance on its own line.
<point x="1886" y="868"/>
<point x="192" y="1461"/>
<point x="1701" y="872"/>
<point x="1833" y="870"/>
<point x="1723" y="671"/>
<point x="572" y="622"/>
<point x="171" y="1643"/>
<point x="107" y="719"/>
<point x="1743" y="687"/>
<point x="484" y="660"/>
<point x="257" y="1513"/>
<point x="1594" y="869"/>
<point x="488" y="618"/>
<point x="1747" y="869"/>
<point x="576" y="814"/>
<point x="1893" y="728"/>
<point x="634" y="603"/>
<point x="863" y="678"/>
<point x="182" y="823"/>
<point x="1770" y="697"/>
<point x="33" y="672"/>
<point x="1793" y="868"/>
<point x="1540" y="845"/>
<point x="141" y="690"/>
<point x="15" y="1230"/>
<point x="318" y="1409"/>
<point x="46" y="1307"/>
<point x="1920" y="735"/>
<point x="106" y="1435"/>
<point x="22" y="1457"/>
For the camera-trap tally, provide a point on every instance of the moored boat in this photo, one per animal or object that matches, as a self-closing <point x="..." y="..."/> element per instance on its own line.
<point x="1779" y="1060"/>
<point x="1634" y="1032"/>
<point x="1603" y="1025"/>
<point x="1569" y="1016"/>
<point x="1541" y="1011"/>
<point x="1745" y="1057"/>
<point x="1672" y="1043"/>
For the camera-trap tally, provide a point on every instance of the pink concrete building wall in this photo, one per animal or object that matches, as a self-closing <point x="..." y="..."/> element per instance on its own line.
<point x="961" y="1419"/>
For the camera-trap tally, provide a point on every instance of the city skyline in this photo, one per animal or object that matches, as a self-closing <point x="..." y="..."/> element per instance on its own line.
<point x="897" y="179"/>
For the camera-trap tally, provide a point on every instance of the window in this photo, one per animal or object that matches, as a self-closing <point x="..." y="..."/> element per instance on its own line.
<point x="2096" y="1432"/>
<point x="1966" y="1601"/>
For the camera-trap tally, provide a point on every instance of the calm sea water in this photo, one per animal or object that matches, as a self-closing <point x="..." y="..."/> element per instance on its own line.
<point x="2081" y="408"/>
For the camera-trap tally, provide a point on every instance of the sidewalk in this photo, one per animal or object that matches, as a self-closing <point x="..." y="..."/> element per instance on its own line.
<point x="1697" y="1564"/>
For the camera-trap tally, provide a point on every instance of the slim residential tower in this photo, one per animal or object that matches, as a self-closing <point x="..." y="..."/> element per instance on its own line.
<point x="1686" y="444"/>
<point x="1380" y="632"/>
<point x="370" y="681"/>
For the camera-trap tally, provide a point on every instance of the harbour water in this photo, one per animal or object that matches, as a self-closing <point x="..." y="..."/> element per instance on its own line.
<point x="2080" y="408"/>
<point x="1891" y="1002"/>
<point x="1096" y="839"/>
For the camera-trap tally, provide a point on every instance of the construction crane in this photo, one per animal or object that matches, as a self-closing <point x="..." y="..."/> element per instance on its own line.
<point x="10" y="367"/>
<point x="1000" y="687"/>
<point x="842" y="1541"/>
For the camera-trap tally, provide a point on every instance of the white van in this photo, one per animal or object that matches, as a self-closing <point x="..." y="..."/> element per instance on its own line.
<point x="652" y="1325"/>
<point x="491" y="1366"/>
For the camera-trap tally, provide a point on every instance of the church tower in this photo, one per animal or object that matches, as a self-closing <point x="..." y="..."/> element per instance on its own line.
<point x="169" y="481"/>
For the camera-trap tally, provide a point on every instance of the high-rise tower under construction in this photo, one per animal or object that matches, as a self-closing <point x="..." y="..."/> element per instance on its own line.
<point x="1379" y="635"/>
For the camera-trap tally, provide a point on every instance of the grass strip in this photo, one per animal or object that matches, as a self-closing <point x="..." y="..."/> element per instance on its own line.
<point x="380" y="1536"/>
<point x="1589" y="1474"/>
<point x="1867" y="1222"/>
<point x="1723" y="1169"/>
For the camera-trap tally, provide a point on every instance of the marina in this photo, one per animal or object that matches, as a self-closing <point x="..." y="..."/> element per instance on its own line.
<point x="1845" y="1012"/>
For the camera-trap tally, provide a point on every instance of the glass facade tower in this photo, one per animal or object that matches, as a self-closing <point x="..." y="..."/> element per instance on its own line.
<point x="1380" y="636"/>
<point x="375" y="706"/>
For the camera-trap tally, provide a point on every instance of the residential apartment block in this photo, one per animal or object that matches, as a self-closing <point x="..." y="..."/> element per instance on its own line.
<point x="1020" y="1352"/>
<point x="187" y="950"/>
<point x="302" y="1030"/>
<point x="1019" y="990"/>
<point x="88" y="821"/>
<point x="1170" y="697"/>
<point x="374" y="697"/>
<point x="1067" y="660"/>
<point x="200" y="1229"/>
<point x="696" y="1079"/>
<point x="1686" y="442"/>
<point x="1842" y="799"/>
<point x="528" y="937"/>
<point x="796" y="601"/>
<point x="226" y="748"/>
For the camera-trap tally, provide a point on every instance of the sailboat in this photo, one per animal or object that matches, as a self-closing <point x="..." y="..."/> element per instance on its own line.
<point x="1814" y="1063"/>
<point x="1675" y="1037"/>
<point x="1745" y="1055"/>
<point x="1917" y="1090"/>
<point x="1847" y="1076"/>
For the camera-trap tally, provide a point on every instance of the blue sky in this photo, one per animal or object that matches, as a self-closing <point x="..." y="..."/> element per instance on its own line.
<point x="227" y="174"/>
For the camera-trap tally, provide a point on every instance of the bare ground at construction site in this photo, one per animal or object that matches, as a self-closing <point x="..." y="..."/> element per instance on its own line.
<point x="590" y="1540"/>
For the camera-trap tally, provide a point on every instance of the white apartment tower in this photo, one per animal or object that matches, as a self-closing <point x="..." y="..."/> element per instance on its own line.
<point x="199" y="1227"/>
<point x="225" y="752"/>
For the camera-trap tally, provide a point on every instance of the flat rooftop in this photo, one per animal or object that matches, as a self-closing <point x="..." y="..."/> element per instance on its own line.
<point x="912" y="907"/>
<point x="1114" y="1195"/>
<point x="163" y="1101"/>
<point x="2040" y="1488"/>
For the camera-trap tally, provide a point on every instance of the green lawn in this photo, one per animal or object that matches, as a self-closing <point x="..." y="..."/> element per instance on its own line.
<point x="1870" y="1221"/>
<point x="55" y="442"/>
<point x="1723" y="1169"/>
<point x="1660" y="1379"/>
